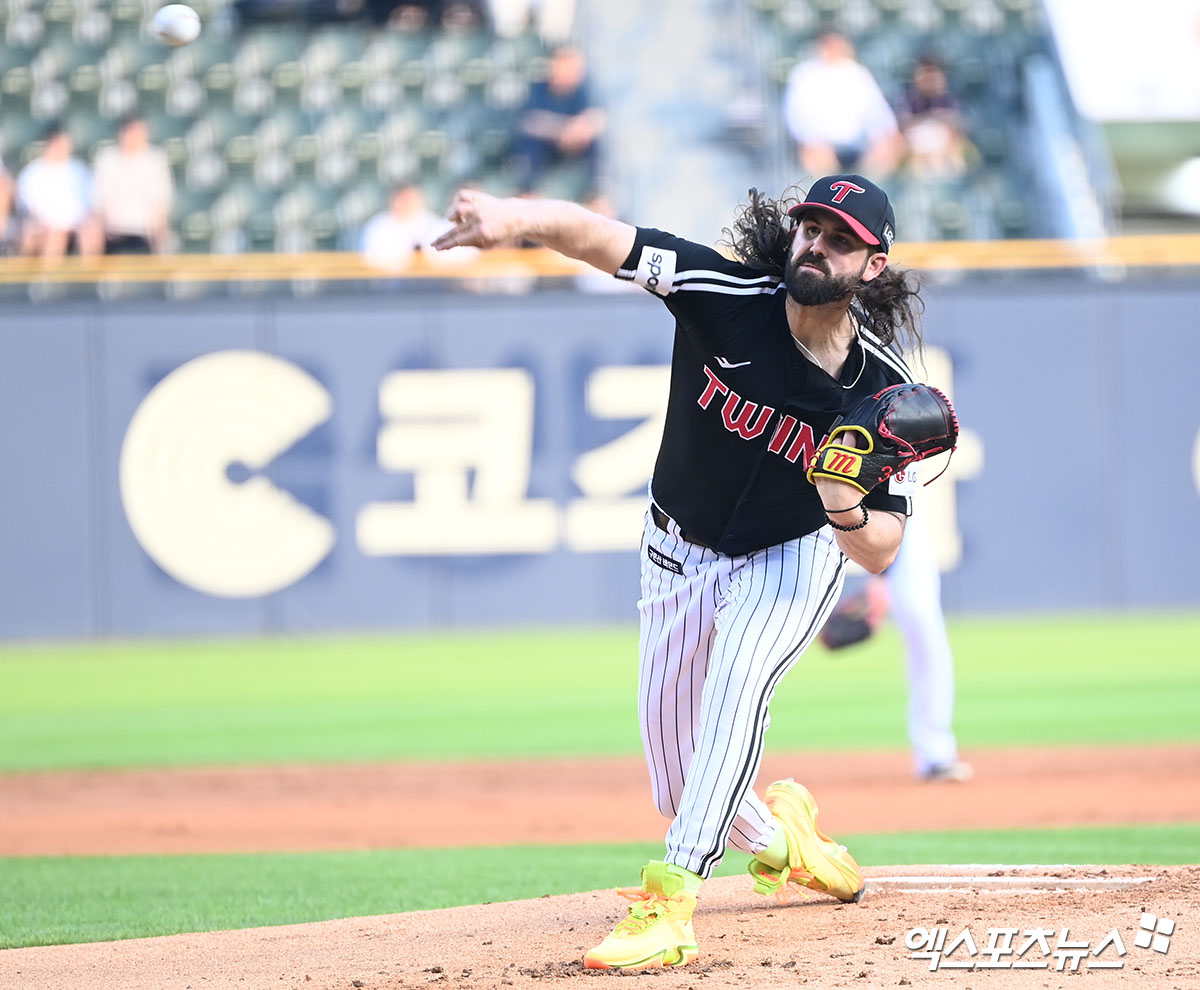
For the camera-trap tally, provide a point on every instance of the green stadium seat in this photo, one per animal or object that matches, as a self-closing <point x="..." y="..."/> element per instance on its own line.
<point x="319" y="94"/>
<point x="204" y="170"/>
<point x="253" y="96"/>
<point x="49" y="101"/>
<point x="184" y="99"/>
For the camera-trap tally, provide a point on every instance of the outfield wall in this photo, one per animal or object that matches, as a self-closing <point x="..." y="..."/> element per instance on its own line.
<point x="382" y="459"/>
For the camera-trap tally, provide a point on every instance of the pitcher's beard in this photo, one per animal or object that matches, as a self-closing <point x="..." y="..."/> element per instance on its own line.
<point x="810" y="289"/>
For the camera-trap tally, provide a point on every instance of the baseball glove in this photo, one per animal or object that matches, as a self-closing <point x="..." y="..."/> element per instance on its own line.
<point x="856" y="617"/>
<point x="900" y="425"/>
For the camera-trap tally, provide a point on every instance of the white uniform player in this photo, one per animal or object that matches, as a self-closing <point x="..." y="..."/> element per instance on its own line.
<point x="914" y="589"/>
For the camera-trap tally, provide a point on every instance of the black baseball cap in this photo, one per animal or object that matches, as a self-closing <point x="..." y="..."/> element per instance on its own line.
<point x="858" y="201"/>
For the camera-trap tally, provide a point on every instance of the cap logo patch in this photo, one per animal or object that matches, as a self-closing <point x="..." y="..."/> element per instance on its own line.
<point x="889" y="235"/>
<point x="842" y="189"/>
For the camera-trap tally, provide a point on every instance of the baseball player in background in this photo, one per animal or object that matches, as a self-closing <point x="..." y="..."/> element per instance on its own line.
<point x="914" y="592"/>
<point x="912" y="589"/>
<point x="743" y="558"/>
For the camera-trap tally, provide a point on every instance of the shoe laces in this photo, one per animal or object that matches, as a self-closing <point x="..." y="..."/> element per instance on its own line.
<point x="648" y="907"/>
<point x="778" y="881"/>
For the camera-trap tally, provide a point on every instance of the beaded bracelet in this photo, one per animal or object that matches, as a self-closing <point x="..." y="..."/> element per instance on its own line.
<point x="851" y="529"/>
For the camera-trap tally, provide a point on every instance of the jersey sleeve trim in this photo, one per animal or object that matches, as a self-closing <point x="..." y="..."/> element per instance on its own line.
<point x="884" y="354"/>
<point x="701" y="280"/>
<point x="657" y="263"/>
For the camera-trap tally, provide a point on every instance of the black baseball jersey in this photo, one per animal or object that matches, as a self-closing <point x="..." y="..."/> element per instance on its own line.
<point x="747" y="410"/>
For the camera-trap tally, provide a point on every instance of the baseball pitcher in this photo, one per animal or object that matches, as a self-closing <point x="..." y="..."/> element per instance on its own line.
<point x="789" y="417"/>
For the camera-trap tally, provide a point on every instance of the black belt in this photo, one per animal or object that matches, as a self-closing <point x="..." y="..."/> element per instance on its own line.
<point x="663" y="522"/>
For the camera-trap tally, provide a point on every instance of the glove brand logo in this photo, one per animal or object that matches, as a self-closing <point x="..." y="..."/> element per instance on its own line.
<point x="840" y="462"/>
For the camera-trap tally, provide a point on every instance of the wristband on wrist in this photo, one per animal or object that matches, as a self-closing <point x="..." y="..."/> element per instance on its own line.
<point x="850" y="529"/>
<point x="834" y="512"/>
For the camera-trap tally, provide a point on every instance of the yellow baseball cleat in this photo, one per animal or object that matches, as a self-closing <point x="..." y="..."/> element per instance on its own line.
<point x="815" y="861"/>
<point x="657" y="932"/>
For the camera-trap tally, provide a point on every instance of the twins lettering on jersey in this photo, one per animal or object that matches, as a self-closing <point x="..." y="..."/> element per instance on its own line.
<point x="792" y="438"/>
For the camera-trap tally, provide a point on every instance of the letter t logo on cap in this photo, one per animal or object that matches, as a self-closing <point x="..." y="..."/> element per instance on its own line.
<point x="842" y="189"/>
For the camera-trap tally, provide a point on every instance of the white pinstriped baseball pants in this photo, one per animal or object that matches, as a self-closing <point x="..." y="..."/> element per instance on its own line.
<point x="717" y="635"/>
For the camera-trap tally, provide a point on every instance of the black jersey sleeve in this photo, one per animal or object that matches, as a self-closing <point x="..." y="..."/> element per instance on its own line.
<point x="705" y="291"/>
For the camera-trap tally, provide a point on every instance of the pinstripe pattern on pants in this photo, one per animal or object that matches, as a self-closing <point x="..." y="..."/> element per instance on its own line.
<point x="718" y="633"/>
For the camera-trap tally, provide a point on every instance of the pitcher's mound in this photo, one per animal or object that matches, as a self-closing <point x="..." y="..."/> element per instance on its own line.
<point x="1060" y="923"/>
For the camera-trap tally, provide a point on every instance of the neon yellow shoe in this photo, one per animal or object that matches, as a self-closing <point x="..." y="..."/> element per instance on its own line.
<point x="814" y="860"/>
<point x="657" y="932"/>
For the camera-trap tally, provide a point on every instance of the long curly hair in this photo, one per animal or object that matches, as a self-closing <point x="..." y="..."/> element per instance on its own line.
<point x="890" y="305"/>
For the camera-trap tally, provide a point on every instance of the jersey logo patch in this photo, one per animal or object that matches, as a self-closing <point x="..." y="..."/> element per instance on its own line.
<point x="726" y="363"/>
<point x="663" y="561"/>
<point x="656" y="270"/>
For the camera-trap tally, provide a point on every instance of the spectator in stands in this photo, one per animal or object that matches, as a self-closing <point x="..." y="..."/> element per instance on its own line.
<point x="554" y="19"/>
<point x="461" y="15"/>
<point x="392" y="238"/>
<point x="134" y="192"/>
<point x="837" y="114"/>
<point x="409" y="17"/>
<point x="55" y="199"/>
<point x="932" y="124"/>
<point x="560" y="123"/>
<point x="6" y="203"/>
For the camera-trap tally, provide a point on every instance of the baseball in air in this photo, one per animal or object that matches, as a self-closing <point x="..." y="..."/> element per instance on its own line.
<point x="176" y="24"/>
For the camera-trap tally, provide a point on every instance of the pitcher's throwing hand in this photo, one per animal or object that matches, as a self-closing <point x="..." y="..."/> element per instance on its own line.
<point x="479" y="220"/>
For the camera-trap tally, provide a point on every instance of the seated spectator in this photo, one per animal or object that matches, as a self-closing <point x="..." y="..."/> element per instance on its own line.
<point x="391" y="239"/>
<point x="133" y="192"/>
<point x="55" y="199"/>
<point x="406" y="18"/>
<point x="931" y="121"/>
<point x="461" y="16"/>
<point x="838" y="116"/>
<point x="554" y="18"/>
<point x="559" y="123"/>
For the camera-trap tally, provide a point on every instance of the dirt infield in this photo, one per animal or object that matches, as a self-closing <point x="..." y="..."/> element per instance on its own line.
<point x="745" y="941"/>
<point x="561" y="801"/>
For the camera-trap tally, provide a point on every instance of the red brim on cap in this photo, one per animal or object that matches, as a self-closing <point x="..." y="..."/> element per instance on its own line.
<point x="857" y="227"/>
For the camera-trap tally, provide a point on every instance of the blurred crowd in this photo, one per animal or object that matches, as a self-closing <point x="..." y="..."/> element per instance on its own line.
<point x="58" y="204"/>
<point x="552" y="19"/>
<point x="861" y="131"/>
<point x="121" y="201"/>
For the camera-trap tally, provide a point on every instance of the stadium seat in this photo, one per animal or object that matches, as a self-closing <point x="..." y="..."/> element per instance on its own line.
<point x="117" y="99"/>
<point x="253" y="96"/>
<point x="49" y="101"/>
<point x="205" y="170"/>
<point x="24" y="32"/>
<point x="184" y="99"/>
<point x="356" y="206"/>
<point x="319" y="94"/>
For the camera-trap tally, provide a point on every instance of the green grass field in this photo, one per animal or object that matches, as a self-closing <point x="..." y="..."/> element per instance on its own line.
<point x="1092" y="679"/>
<point x="1068" y="681"/>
